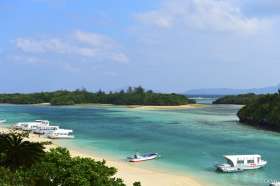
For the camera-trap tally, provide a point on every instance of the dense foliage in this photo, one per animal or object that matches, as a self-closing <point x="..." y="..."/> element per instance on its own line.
<point x="15" y="152"/>
<point x="242" y="99"/>
<point x="133" y="96"/>
<point x="56" y="167"/>
<point x="263" y="112"/>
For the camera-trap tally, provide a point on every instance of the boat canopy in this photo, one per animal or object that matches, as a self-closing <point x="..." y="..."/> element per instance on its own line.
<point x="42" y="121"/>
<point x="234" y="159"/>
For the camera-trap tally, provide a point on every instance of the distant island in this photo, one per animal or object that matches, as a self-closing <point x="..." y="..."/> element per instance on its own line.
<point x="242" y="99"/>
<point x="132" y="96"/>
<point x="262" y="111"/>
<point x="233" y="91"/>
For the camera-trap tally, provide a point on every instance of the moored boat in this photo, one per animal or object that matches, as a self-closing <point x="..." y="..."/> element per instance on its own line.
<point x="144" y="157"/>
<point x="45" y="129"/>
<point x="61" y="134"/>
<point x="29" y="126"/>
<point x="239" y="163"/>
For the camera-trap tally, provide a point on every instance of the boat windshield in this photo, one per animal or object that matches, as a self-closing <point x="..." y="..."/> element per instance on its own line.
<point x="230" y="162"/>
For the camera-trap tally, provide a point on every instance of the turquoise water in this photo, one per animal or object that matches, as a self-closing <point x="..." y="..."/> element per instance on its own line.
<point x="190" y="141"/>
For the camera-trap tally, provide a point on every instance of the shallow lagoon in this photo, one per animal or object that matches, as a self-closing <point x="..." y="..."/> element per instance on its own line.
<point x="190" y="141"/>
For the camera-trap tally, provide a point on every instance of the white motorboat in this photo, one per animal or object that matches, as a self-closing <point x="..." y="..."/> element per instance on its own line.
<point x="144" y="157"/>
<point x="238" y="163"/>
<point x="45" y="129"/>
<point x="61" y="134"/>
<point x="29" y="126"/>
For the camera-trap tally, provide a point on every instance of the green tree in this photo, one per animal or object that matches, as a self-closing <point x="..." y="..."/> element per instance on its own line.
<point x="263" y="112"/>
<point x="59" y="168"/>
<point x="133" y="96"/>
<point x="137" y="183"/>
<point x="16" y="153"/>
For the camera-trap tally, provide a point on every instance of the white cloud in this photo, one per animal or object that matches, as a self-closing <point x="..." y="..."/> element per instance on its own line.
<point x="209" y="15"/>
<point x="42" y="46"/>
<point x="83" y="44"/>
<point x="94" y="39"/>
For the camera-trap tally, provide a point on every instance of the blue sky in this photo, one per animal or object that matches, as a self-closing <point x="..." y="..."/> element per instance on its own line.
<point x="164" y="45"/>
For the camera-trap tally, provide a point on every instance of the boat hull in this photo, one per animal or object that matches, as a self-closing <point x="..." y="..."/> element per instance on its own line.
<point x="146" y="157"/>
<point x="238" y="169"/>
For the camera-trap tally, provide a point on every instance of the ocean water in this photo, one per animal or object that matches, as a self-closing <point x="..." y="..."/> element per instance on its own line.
<point x="190" y="141"/>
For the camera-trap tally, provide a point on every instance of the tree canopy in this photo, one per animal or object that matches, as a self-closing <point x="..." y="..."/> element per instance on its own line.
<point x="15" y="152"/>
<point x="35" y="167"/>
<point x="242" y="99"/>
<point x="133" y="96"/>
<point x="263" y="112"/>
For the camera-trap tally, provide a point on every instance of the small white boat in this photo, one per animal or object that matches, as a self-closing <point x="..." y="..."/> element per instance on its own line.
<point x="45" y="129"/>
<point x="238" y="163"/>
<point x="61" y="134"/>
<point x="143" y="157"/>
<point x="29" y="126"/>
<point x="3" y="121"/>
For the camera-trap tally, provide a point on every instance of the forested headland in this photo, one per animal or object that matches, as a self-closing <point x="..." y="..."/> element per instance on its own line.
<point x="132" y="96"/>
<point x="242" y="99"/>
<point x="262" y="111"/>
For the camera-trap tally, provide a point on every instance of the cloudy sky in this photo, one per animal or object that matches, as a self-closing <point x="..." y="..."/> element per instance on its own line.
<point x="165" y="45"/>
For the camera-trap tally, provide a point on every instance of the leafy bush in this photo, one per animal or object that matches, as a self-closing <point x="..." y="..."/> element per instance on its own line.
<point x="24" y="163"/>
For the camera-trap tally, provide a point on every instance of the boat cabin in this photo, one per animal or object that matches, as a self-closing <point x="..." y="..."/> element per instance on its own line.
<point x="45" y="129"/>
<point x="243" y="160"/>
<point x="61" y="133"/>
<point x="28" y="126"/>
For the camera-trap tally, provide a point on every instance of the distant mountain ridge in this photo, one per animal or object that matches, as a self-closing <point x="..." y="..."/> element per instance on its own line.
<point x="229" y="91"/>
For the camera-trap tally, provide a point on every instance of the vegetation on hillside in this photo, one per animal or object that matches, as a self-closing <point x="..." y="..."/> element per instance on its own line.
<point x="263" y="112"/>
<point x="24" y="163"/>
<point x="133" y="96"/>
<point x="242" y="99"/>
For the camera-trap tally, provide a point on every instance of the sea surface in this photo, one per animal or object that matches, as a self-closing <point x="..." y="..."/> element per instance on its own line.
<point x="190" y="141"/>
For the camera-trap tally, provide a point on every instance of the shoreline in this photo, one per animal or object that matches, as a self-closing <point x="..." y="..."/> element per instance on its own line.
<point x="129" y="172"/>
<point x="147" y="107"/>
<point x="132" y="172"/>
<point x="142" y="107"/>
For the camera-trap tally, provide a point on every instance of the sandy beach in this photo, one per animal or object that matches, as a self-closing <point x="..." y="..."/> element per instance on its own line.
<point x="145" y="107"/>
<point x="129" y="172"/>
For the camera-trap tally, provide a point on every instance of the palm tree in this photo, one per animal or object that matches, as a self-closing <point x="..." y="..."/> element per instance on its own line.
<point x="15" y="152"/>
